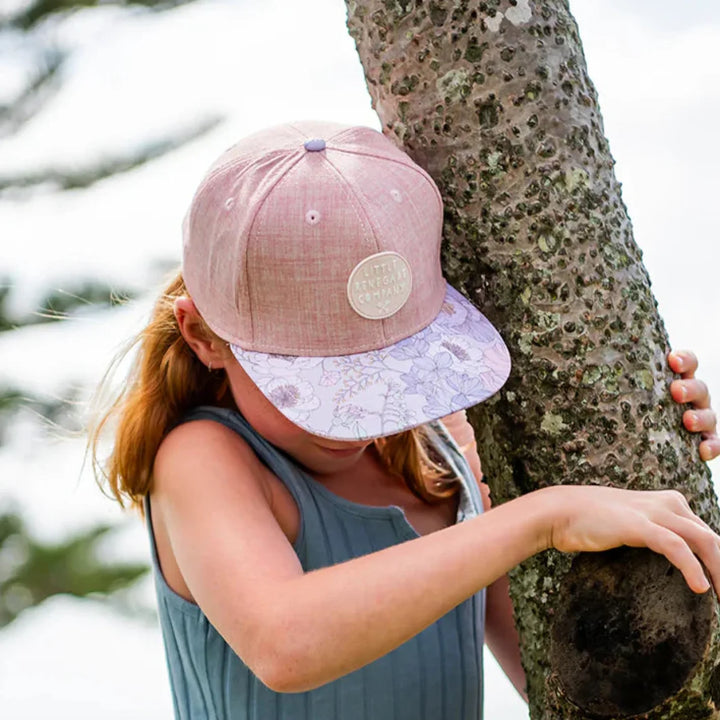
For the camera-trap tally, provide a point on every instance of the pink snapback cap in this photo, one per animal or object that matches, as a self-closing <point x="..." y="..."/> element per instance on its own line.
<point x="314" y="250"/>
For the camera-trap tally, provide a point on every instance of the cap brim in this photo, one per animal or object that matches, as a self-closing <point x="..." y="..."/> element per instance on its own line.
<point x="455" y="362"/>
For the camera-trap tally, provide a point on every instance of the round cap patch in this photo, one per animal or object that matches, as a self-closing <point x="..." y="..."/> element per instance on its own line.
<point x="379" y="285"/>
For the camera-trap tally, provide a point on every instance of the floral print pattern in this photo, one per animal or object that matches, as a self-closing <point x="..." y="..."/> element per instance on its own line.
<point x="457" y="361"/>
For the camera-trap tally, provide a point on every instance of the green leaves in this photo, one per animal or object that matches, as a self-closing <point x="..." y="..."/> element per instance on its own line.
<point x="32" y="570"/>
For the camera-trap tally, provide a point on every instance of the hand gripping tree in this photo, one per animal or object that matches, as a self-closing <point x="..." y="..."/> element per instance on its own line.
<point x="494" y="100"/>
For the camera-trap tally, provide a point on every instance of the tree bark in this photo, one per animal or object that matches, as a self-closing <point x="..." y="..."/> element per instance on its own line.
<point x="494" y="100"/>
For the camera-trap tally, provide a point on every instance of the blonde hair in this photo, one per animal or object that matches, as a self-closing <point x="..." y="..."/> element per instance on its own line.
<point x="167" y="379"/>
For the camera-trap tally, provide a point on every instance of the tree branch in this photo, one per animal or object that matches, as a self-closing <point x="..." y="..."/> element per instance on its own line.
<point x="69" y="179"/>
<point x="37" y="11"/>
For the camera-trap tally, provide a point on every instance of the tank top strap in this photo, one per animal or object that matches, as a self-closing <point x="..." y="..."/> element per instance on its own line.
<point x="471" y="503"/>
<point x="282" y="466"/>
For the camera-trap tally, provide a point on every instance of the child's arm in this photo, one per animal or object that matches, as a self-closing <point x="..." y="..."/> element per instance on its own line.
<point x="300" y="630"/>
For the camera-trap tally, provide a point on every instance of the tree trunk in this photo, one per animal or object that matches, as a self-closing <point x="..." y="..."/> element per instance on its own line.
<point x="493" y="99"/>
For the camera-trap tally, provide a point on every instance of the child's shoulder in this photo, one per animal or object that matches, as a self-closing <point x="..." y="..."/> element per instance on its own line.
<point x="204" y="429"/>
<point x="202" y="463"/>
<point x="201" y="447"/>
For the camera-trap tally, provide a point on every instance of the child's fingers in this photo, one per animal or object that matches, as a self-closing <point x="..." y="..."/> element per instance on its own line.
<point x="710" y="448"/>
<point x="673" y="513"/>
<point x="699" y="521"/>
<point x="690" y="391"/>
<point x="485" y="492"/>
<point x="700" y="420"/>
<point x="675" y="502"/>
<point x="683" y="362"/>
<point x="665" y="542"/>
<point x="701" y="540"/>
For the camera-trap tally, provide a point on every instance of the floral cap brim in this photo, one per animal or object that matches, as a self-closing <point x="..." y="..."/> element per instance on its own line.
<point x="455" y="362"/>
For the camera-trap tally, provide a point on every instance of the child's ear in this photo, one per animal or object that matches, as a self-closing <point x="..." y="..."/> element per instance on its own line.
<point x="182" y="308"/>
<point x="211" y="350"/>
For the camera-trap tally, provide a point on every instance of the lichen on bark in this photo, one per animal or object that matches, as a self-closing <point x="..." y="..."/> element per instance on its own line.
<point x="494" y="100"/>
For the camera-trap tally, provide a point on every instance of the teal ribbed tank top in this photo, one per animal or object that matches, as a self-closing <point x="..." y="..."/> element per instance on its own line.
<point x="437" y="675"/>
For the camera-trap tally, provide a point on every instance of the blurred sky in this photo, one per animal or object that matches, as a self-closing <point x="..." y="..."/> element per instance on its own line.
<point x="132" y="78"/>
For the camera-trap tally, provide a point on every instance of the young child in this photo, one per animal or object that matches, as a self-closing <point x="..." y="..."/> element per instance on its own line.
<point x="319" y="538"/>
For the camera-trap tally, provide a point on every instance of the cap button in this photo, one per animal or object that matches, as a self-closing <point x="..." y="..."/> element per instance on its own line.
<point x="314" y="145"/>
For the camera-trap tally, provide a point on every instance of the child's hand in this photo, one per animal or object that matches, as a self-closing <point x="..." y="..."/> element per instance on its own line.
<point x="594" y="518"/>
<point x="701" y="418"/>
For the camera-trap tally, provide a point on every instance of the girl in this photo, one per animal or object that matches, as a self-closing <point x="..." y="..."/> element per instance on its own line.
<point x="319" y="538"/>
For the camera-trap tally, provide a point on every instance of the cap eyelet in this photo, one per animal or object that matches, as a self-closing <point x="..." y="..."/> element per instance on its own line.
<point x="396" y="195"/>
<point x="312" y="217"/>
<point x="229" y="203"/>
<point x="314" y="144"/>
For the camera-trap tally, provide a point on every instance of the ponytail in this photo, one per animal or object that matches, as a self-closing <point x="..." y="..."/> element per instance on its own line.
<point x="167" y="379"/>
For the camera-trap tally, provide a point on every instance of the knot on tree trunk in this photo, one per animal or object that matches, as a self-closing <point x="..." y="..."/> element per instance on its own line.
<point x="628" y="633"/>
